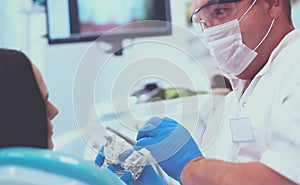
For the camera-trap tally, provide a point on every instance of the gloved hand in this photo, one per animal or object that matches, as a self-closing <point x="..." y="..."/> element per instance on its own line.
<point x="148" y="176"/>
<point x="99" y="160"/>
<point x="170" y="144"/>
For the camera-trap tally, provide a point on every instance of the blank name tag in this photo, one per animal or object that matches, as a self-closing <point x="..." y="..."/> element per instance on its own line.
<point x="241" y="130"/>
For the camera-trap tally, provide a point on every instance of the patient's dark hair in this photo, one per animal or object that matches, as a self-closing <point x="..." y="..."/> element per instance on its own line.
<point x="22" y="109"/>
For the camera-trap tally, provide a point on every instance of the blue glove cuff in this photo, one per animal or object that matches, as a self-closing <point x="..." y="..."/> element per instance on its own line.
<point x="191" y="152"/>
<point x="170" y="144"/>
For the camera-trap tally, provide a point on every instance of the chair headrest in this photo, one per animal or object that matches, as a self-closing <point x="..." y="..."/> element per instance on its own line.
<point x="57" y="163"/>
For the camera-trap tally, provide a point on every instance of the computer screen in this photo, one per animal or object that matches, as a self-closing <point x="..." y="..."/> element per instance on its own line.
<point x="39" y="2"/>
<point x="86" y="20"/>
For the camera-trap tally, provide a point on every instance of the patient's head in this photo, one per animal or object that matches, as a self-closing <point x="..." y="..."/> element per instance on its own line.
<point x="25" y="112"/>
<point x="51" y="110"/>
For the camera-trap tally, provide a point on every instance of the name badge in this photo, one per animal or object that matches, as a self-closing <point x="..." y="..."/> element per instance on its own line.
<point x="241" y="130"/>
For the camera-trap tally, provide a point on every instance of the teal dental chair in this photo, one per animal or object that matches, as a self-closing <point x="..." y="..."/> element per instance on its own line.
<point x="35" y="166"/>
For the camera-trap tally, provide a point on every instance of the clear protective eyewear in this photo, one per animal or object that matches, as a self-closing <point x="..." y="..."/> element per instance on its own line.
<point x="214" y="13"/>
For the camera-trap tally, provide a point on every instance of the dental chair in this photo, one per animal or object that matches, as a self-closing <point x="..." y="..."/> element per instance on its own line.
<point x="36" y="166"/>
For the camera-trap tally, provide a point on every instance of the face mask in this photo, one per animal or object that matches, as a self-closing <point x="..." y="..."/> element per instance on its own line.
<point x="226" y="45"/>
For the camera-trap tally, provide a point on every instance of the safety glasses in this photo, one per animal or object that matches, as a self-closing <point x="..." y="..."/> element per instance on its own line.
<point x="213" y="13"/>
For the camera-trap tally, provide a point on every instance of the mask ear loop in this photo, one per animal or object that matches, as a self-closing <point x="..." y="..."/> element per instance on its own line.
<point x="266" y="35"/>
<point x="270" y="28"/>
<point x="247" y="10"/>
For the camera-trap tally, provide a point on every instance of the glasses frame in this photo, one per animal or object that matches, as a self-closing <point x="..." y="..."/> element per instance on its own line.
<point x="209" y="4"/>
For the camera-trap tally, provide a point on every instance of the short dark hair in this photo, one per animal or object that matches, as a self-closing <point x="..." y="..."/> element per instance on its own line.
<point x="289" y="9"/>
<point x="287" y="5"/>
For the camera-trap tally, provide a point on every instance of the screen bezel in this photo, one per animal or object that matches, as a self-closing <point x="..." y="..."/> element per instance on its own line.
<point x="113" y="36"/>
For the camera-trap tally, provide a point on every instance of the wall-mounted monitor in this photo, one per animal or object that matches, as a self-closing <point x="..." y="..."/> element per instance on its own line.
<point x="86" y="20"/>
<point x="39" y="2"/>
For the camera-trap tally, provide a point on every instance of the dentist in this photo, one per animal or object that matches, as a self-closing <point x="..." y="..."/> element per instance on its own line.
<point x="257" y="142"/>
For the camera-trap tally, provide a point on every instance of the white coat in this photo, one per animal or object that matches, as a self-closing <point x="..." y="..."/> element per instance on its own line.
<point x="271" y="103"/>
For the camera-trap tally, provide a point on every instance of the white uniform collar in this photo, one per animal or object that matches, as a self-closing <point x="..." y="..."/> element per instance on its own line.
<point x="238" y="85"/>
<point x="290" y="37"/>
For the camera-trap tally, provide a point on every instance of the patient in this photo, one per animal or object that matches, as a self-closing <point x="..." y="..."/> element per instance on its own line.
<point x="25" y="121"/>
<point x="25" y="111"/>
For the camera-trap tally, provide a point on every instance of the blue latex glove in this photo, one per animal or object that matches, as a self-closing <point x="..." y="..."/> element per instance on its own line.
<point x="99" y="160"/>
<point x="170" y="144"/>
<point x="148" y="176"/>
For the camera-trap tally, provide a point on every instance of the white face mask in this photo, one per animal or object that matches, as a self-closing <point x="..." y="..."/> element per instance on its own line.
<point x="226" y="45"/>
